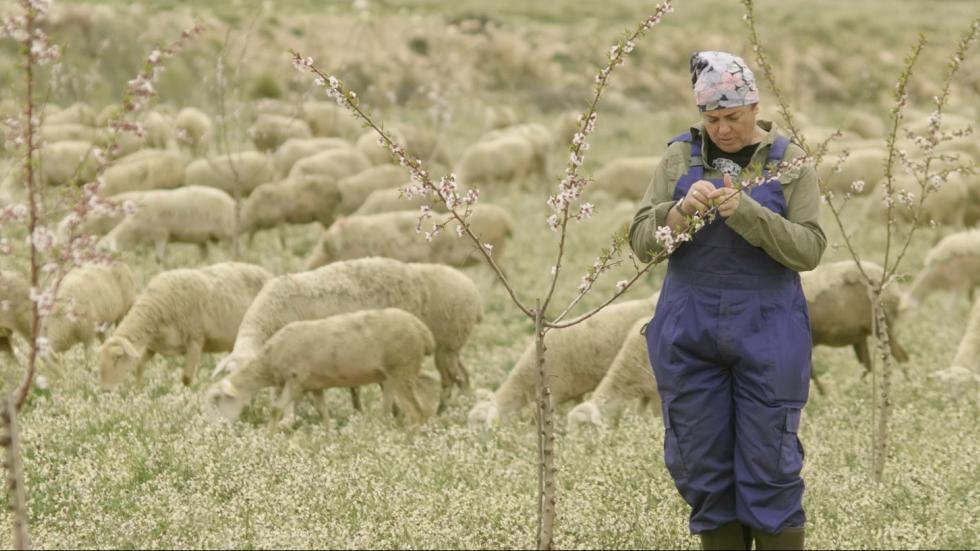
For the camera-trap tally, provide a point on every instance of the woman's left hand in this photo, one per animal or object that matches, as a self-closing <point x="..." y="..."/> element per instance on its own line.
<point x="726" y="198"/>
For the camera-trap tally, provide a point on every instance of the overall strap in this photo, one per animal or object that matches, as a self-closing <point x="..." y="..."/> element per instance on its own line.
<point x="695" y="164"/>
<point x="778" y="149"/>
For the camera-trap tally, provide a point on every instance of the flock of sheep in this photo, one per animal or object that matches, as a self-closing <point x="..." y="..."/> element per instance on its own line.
<point x="375" y="299"/>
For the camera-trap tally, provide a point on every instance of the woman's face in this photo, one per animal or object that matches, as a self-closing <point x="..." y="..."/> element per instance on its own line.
<point x="731" y="128"/>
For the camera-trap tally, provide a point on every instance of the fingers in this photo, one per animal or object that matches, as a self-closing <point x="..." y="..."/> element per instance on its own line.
<point x="728" y="181"/>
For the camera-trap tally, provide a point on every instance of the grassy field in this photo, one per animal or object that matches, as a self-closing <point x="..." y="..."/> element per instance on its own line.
<point x="143" y="468"/>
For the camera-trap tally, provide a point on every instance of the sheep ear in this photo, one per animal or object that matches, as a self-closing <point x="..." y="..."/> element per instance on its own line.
<point x="228" y="389"/>
<point x="128" y="348"/>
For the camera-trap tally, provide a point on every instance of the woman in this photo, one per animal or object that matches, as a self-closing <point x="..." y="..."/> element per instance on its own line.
<point x="730" y="341"/>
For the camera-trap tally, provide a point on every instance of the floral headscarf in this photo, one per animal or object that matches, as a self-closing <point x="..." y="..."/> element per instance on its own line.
<point x="722" y="80"/>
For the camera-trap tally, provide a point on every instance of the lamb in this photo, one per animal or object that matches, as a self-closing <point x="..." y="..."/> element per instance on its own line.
<point x="504" y="159"/>
<point x="576" y="360"/>
<point x="237" y="174"/>
<point x="393" y="235"/>
<point x="333" y="163"/>
<point x="270" y="131"/>
<point x="626" y="177"/>
<point x="392" y="200"/>
<point x="144" y="170"/>
<point x="295" y="200"/>
<point x="537" y="135"/>
<point x="629" y="377"/>
<point x="444" y="299"/>
<point x="193" y="129"/>
<point x="354" y="190"/>
<point x="953" y="264"/>
<point x="372" y="346"/>
<point x="90" y="298"/>
<point x="67" y="162"/>
<point x="840" y="308"/>
<point x="193" y="214"/>
<point x="183" y="311"/>
<point x="295" y="149"/>
<point x="867" y="165"/>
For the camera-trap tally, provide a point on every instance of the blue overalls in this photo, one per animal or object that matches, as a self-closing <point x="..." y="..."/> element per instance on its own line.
<point x="730" y="349"/>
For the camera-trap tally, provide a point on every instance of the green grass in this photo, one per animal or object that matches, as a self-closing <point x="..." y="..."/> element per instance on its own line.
<point x="142" y="467"/>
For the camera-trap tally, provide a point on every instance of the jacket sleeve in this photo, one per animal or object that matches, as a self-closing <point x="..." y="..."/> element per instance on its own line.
<point x="796" y="241"/>
<point x="655" y="203"/>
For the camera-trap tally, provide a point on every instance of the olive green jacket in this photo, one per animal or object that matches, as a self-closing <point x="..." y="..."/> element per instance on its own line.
<point x="796" y="241"/>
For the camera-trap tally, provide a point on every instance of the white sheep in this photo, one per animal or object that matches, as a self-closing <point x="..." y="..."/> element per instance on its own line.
<point x="354" y="190"/>
<point x="67" y="162"/>
<point x="445" y="300"/>
<point x="630" y="377"/>
<point x="867" y="165"/>
<point x="295" y="200"/>
<point x="295" y="149"/>
<point x="270" y="131"/>
<point x="78" y="113"/>
<point x="496" y="117"/>
<point x="384" y="346"/>
<point x="193" y="214"/>
<point x="98" y="222"/>
<point x="181" y="312"/>
<point x="418" y="142"/>
<point x="507" y="158"/>
<point x="327" y="119"/>
<point x="391" y="200"/>
<point x="193" y="129"/>
<point x="953" y="264"/>
<point x="393" y="235"/>
<point x="237" y="174"/>
<point x="540" y="138"/>
<point x="576" y="360"/>
<point x="144" y="170"/>
<point x="626" y="177"/>
<point x="51" y="133"/>
<point x="336" y="163"/>
<point x="840" y="308"/>
<point x="90" y="298"/>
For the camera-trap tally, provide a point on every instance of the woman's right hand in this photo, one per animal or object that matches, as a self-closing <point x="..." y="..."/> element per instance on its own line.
<point x="697" y="197"/>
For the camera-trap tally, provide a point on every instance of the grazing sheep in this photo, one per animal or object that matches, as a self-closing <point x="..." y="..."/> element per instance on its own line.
<point x="867" y="165"/>
<point x="90" y="298"/>
<point x="51" y="133"/>
<point x="327" y="119"/>
<point x="193" y="214"/>
<point x="186" y="312"/>
<point x="968" y="352"/>
<point x="295" y="149"/>
<point x="418" y="142"/>
<point x="495" y="118"/>
<point x="392" y="200"/>
<point x="953" y="264"/>
<point x="354" y="190"/>
<point x="296" y="200"/>
<point x="630" y="377"/>
<point x="237" y="174"/>
<point x="78" y="113"/>
<point x="537" y="135"/>
<point x="627" y="177"/>
<point x="372" y="346"/>
<point x="576" y="360"/>
<point x="504" y="159"/>
<point x="144" y="170"/>
<point x="193" y="129"/>
<point x="99" y="222"/>
<point x="333" y="163"/>
<point x="393" y="235"/>
<point x="272" y="106"/>
<point x="270" y="131"/>
<point x="67" y="162"/>
<point x="864" y="124"/>
<point x="948" y="206"/>
<point x="840" y="308"/>
<point x="565" y="127"/>
<point x="444" y="299"/>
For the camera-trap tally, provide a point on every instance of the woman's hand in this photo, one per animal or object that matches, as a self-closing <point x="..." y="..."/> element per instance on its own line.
<point x="725" y="197"/>
<point x="698" y="197"/>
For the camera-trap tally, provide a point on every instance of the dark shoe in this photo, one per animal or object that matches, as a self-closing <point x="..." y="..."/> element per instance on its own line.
<point x="789" y="539"/>
<point x="731" y="536"/>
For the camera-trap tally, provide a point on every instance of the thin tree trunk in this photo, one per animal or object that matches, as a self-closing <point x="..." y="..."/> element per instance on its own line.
<point x="546" y="442"/>
<point x="10" y="440"/>
<point x="882" y="398"/>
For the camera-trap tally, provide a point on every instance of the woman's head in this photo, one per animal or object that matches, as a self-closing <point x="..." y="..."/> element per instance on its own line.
<point x="727" y="96"/>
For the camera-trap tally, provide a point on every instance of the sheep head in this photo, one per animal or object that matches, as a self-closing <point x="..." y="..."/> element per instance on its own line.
<point x="117" y="357"/>
<point x="485" y="413"/>
<point x="223" y="402"/>
<point x="584" y="414"/>
<point x="229" y="365"/>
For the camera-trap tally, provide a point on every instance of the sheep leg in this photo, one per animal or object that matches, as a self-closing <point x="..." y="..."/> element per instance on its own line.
<point x="320" y="403"/>
<point x="817" y="383"/>
<point x="387" y="401"/>
<point x="863" y="355"/>
<point x="404" y="390"/>
<point x="202" y="250"/>
<point x="161" y="248"/>
<point x="285" y="399"/>
<point x="355" y="398"/>
<point x="192" y="360"/>
<point x="446" y="361"/>
<point x="282" y="237"/>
